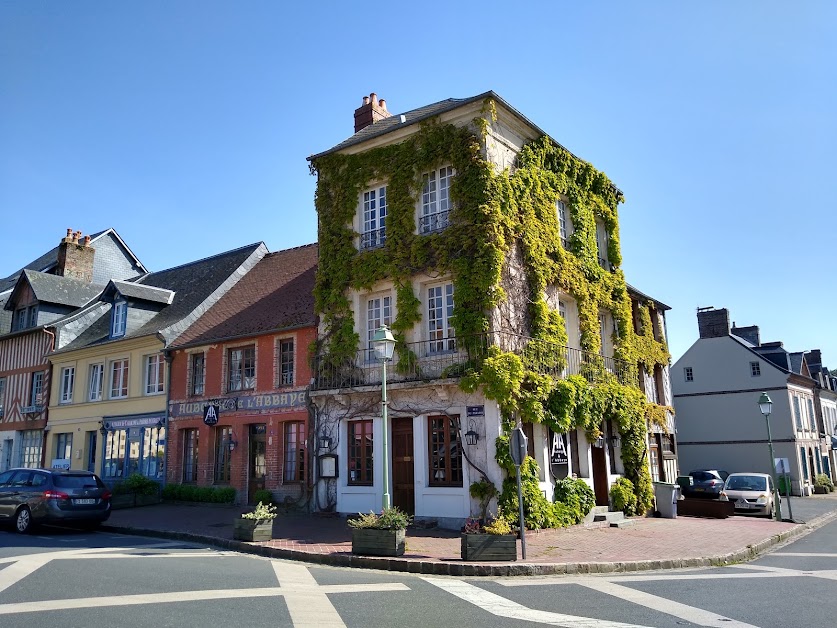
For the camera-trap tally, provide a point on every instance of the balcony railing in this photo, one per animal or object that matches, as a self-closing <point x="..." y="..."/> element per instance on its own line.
<point x="373" y="239"/>
<point x="441" y="359"/>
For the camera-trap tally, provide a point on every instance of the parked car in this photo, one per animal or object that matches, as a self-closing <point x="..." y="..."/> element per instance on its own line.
<point x="32" y="496"/>
<point x="751" y="492"/>
<point x="706" y="483"/>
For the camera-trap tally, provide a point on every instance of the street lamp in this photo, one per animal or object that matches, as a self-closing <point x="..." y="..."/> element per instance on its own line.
<point x="766" y="405"/>
<point x="383" y="345"/>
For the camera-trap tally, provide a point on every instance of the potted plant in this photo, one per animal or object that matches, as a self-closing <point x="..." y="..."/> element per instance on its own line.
<point x="382" y="534"/>
<point x="256" y="525"/>
<point x="492" y="541"/>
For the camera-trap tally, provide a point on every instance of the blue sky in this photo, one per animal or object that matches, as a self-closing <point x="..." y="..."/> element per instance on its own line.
<point x="185" y="126"/>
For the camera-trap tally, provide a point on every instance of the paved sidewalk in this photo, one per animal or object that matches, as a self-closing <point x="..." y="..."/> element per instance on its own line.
<point x="649" y="544"/>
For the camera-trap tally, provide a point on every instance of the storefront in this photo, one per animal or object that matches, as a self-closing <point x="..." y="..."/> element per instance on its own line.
<point x="133" y="444"/>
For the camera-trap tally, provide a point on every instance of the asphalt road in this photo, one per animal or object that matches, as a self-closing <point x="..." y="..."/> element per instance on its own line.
<point x="69" y="578"/>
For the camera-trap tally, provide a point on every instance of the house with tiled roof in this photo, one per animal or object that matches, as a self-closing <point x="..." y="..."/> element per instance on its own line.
<point x="108" y="410"/>
<point x="717" y="383"/>
<point x="57" y="283"/>
<point x="238" y="412"/>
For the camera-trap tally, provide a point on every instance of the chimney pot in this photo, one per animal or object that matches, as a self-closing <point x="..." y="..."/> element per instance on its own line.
<point x="87" y="240"/>
<point x="366" y="100"/>
<point x="371" y="111"/>
<point x="383" y="104"/>
<point x="374" y="98"/>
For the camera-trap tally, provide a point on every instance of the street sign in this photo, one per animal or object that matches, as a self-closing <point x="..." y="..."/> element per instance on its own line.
<point x="518" y="445"/>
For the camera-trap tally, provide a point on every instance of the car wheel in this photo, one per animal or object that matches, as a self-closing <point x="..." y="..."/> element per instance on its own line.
<point x="769" y="513"/>
<point x="23" y="520"/>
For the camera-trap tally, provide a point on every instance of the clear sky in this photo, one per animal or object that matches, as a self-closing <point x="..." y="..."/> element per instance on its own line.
<point x="185" y="126"/>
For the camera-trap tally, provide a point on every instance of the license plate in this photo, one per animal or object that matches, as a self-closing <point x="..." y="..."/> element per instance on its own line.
<point x="699" y="489"/>
<point x="83" y="502"/>
<point x="742" y="504"/>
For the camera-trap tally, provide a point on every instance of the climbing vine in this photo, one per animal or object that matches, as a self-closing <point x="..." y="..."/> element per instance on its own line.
<point x="499" y="216"/>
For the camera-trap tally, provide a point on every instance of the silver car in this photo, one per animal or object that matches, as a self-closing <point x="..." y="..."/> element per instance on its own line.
<point x="32" y="496"/>
<point x="751" y="493"/>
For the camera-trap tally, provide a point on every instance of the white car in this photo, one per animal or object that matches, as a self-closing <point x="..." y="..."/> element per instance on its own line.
<point x="751" y="493"/>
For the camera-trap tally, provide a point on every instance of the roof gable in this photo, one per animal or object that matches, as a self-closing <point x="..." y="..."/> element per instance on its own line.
<point x="48" y="288"/>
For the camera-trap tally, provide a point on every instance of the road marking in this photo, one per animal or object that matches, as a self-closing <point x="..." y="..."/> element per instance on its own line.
<point x="828" y="574"/>
<point x="638" y="578"/>
<point x="669" y="607"/>
<point x="804" y="554"/>
<point x="502" y="607"/>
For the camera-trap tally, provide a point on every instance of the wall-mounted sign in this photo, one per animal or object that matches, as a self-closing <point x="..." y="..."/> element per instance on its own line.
<point x="475" y="411"/>
<point x="270" y="401"/>
<point x="127" y="423"/>
<point x="60" y="463"/>
<point x="328" y="466"/>
<point x="210" y="415"/>
<point x="559" y="459"/>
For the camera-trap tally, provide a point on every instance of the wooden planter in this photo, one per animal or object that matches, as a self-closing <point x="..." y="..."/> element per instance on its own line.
<point x="373" y="542"/>
<point x="489" y="547"/>
<point x="252" y="530"/>
<point x="705" y="508"/>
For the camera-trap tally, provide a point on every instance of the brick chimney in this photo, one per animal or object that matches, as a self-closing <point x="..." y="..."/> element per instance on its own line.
<point x="371" y="111"/>
<point x="75" y="257"/>
<point x="750" y="334"/>
<point x="713" y="323"/>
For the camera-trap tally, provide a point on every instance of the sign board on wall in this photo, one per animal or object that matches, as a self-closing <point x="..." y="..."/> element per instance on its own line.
<point x="294" y="399"/>
<point x="210" y="415"/>
<point x="559" y="459"/>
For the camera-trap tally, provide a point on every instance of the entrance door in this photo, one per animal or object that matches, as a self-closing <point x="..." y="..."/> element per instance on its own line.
<point x="91" y="452"/>
<point x="403" y="469"/>
<point x="258" y="463"/>
<point x="600" y="484"/>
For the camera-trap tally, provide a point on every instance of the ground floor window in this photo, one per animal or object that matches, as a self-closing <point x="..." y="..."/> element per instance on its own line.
<point x="223" y="455"/>
<point x="190" y="455"/>
<point x="360" y="453"/>
<point x="294" y="451"/>
<point x="134" y="450"/>
<point x="64" y="446"/>
<point x="31" y="446"/>
<point x="445" y="453"/>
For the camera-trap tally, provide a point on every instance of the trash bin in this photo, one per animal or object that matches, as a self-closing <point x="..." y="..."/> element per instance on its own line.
<point x="666" y="496"/>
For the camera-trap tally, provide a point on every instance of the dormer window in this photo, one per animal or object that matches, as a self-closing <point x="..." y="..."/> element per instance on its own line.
<point x="373" y="218"/>
<point x="25" y="317"/>
<point x="435" y="200"/>
<point x="119" y="319"/>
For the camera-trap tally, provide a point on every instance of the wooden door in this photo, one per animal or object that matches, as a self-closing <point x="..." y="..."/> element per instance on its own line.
<point x="403" y="465"/>
<point x="600" y="483"/>
<point x="257" y="463"/>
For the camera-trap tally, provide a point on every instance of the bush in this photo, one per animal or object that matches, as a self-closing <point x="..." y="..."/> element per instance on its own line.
<point x="538" y="511"/>
<point x="263" y="496"/>
<point x="623" y="497"/>
<point x="388" y="519"/>
<point x="263" y="512"/>
<point x="136" y="484"/>
<point x="576" y="496"/>
<point x="824" y="481"/>
<point x="205" y="494"/>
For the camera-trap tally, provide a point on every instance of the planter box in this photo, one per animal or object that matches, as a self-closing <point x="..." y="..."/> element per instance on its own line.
<point x="820" y="490"/>
<point x="132" y="500"/>
<point x="705" y="508"/>
<point x="489" y="547"/>
<point x="250" y="530"/>
<point x="373" y="542"/>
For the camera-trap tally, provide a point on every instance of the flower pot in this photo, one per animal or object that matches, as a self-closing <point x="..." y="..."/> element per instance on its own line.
<point x="489" y="547"/>
<point x="253" y="530"/>
<point x="372" y="542"/>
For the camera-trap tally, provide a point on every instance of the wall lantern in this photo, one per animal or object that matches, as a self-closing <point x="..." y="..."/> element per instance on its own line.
<point x="471" y="436"/>
<point x="102" y="429"/>
<point x="325" y="442"/>
<point x="614" y="440"/>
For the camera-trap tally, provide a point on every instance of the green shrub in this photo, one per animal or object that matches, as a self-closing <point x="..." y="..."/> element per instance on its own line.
<point x="263" y="512"/>
<point x="136" y="484"/>
<point x="263" y="496"/>
<point x="388" y="519"/>
<point x="823" y="480"/>
<point x="538" y="511"/>
<point x="576" y="495"/>
<point x="205" y="494"/>
<point x="623" y="497"/>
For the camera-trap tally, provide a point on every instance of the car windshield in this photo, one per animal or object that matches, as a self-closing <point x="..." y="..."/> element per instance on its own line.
<point x="76" y="481"/>
<point x="746" y="483"/>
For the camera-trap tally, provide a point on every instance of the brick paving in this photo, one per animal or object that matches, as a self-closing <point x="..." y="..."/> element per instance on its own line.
<point x="650" y="541"/>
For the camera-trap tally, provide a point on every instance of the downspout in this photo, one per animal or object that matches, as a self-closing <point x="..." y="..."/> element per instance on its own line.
<point x="168" y="356"/>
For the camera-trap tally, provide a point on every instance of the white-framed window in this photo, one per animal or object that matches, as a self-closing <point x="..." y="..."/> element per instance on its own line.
<point x="564" y="223"/>
<point x="285" y="347"/>
<point x="68" y="376"/>
<point x="755" y="369"/>
<point x="155" y="374"/>
<point x="435" y="200"/>
<point x="119" y="319"/>
<point x="196" y="376"/>
<point x="440" y="330"/>
<point x="378" y="312"/>
<point x="95" y="382"/>
<point x="797" y="413"/>
<point x="688" y="374"/>
<point x="119" y="378"/>
<point x="373" y="218"/>
<point x="241" y="368"/>
<point x="562" y="311"/>
<point x="37" y="388"/>
<point x="812" y="417"/>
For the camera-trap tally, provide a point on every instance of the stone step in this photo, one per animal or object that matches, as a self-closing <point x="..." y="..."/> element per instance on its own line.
<point x="591" y="516"/>
<point x="610" y="517"/>
<point x="622" y="523"/>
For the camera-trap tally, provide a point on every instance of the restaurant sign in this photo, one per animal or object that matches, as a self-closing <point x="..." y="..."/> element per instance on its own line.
<point x="269" y="401"/>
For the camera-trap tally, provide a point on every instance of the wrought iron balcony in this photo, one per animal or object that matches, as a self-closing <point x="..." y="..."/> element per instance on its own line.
<point x="446" y="358"/>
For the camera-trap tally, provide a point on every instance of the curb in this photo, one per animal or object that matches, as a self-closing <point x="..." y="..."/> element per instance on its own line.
<point x="483" y="569"/>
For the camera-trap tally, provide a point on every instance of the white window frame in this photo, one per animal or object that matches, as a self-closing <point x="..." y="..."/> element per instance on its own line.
<point x="602" y="330"/>
<point x="565" y="223"/>
<point x="155" y="374"/>
<point x="435" y="203"/>
<point x="285" y="378"/>
<point x="755" y="369"/>
<point x="121" y="368"/>
<point x="119" y="319"/>
<point x="439" y="307"/>
<point x="372" y="217"/>
<point x="379" y="310"/>
<point x="68" y="376"/>
<point x="602" y="239"/>
<point x="812" y="416"/>
<point x="797" y="411"/>
<point x="36" y="389"/>
<point x="96" y="381"/>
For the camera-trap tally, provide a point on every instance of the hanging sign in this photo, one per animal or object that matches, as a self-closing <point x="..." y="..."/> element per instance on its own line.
<point x="559" y="460"/>
<point x="210" y="414"/>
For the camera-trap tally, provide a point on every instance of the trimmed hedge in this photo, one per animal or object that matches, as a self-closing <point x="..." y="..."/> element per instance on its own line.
<point x="192" y="493"/>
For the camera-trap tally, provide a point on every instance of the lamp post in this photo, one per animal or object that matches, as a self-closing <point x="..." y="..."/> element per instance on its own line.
<point x="383" y="345"/>
<point x="766" y="405"/>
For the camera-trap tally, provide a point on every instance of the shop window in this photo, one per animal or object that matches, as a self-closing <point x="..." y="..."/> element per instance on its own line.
<point x="190" y="456"/>
<point x="294" y="452"/>
<point x="445" y="453"/>
<point x="223" y="438"/>
<point x="360" y="453"/>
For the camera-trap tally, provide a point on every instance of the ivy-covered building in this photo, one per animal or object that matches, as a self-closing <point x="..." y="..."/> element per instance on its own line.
<point x="492" y="253"/>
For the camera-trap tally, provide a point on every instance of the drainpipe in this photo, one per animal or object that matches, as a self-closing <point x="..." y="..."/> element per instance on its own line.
<point x="168" y="356"/>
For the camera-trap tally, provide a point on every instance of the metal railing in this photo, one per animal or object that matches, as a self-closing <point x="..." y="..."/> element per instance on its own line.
<point x="373" y="239"/>
<point x="441" y="359"/>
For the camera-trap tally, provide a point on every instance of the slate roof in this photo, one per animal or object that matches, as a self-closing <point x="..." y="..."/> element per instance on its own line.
<point x="62" y="290"/>
<point x="276" y="294"/>
<point x="191" y="283"/>
<point x="642" y="295"/>
<point x="133" y="290"/>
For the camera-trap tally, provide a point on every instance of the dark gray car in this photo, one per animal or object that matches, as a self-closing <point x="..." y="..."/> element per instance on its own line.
<point x="32" y="496"/>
